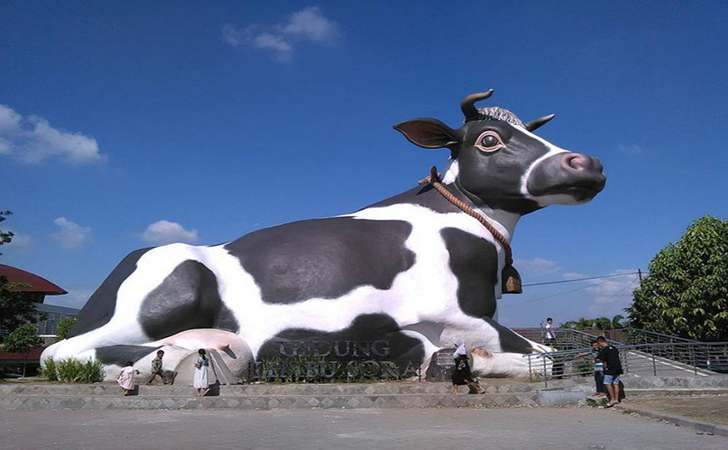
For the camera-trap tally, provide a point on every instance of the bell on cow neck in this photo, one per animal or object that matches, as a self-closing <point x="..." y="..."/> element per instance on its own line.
<point x="511" y="280"/>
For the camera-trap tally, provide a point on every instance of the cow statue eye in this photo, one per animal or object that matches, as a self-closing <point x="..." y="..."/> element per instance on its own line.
<point x="489" y="142"/>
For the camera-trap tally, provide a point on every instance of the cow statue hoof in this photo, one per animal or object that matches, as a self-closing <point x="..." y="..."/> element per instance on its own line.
<point x="229" y="353"/>
<point x="506" y="365"/>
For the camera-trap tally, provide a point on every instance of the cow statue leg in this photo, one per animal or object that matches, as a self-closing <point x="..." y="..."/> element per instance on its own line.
<point x="151" y="295"/>
<point x="501" y="352"/>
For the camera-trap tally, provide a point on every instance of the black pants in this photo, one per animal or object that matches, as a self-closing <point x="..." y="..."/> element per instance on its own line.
<point x="599" y="380"/>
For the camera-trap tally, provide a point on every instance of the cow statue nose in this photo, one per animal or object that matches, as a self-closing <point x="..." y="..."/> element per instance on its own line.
<point x="579" y="162"/>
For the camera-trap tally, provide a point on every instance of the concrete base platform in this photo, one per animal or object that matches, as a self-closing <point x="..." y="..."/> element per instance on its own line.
<point x="264" y="396"/>
<point x="498" y="393"/>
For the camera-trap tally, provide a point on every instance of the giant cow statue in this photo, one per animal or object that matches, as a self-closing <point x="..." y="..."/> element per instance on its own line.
<point x="413" y="271"/>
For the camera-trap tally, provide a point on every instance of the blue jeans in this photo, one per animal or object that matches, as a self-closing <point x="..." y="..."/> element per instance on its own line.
<point x="611" y="379"/>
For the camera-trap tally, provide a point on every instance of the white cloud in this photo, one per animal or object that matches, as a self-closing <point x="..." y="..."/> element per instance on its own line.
<point x="32" y="140"/>
<point x="71" y="235"/>
<point x="232" y="35"/>
<point x="267" y="41"/>
<point x="19" y="239"/>
<point x="9" y="119"/>
<point x="311" y="24"/>
<point x="536" y="266"/>
<point x="76" y="298"/>
<point x="611" y="295"/>
<point x="574" y="275"/>
<point x="306" y="26"/>
<point x="165" y="232"/>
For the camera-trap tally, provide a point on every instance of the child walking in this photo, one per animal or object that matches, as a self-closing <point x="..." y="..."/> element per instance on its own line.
<point x="127" y="377"/>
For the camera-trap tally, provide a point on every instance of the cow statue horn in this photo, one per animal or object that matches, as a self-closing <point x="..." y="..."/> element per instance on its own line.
<point x="538" y="123"/>
<point x="468" y="105"/>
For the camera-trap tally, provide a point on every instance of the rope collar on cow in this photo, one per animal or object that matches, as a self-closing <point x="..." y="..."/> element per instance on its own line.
<point x="510" y="278"/>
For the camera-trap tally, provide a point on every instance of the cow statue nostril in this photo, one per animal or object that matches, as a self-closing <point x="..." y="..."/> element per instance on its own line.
<point x="575" y="161"/>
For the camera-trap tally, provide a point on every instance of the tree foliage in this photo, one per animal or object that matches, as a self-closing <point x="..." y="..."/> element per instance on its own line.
<point x="5" y="236"/>
<point x="64" y="327"/>
<point x="23" y="340"/>
<point x="686" y="291"/>
<point x="15" y="307"/>
<point x="600" y="323"/>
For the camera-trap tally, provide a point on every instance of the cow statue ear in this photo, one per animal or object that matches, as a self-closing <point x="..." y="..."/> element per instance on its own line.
<point x="427" y="133"/>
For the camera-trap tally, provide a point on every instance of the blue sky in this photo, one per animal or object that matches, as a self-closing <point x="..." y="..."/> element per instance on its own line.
<point x="129" y="124"/>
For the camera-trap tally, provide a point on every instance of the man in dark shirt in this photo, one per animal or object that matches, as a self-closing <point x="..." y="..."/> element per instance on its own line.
<point x="612" y="370"/>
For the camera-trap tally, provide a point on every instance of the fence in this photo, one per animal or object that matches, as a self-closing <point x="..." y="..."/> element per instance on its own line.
<point x="571" y="339"/>
<point x="639" y="336"/>
<point x="666" y="359"/>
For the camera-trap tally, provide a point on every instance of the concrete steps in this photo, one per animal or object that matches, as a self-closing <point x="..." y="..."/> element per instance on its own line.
<point x="266" y="402"/>
<point x="264" y="396"/>
<point x="390" y="388"/>
<point x="499" y="393"/>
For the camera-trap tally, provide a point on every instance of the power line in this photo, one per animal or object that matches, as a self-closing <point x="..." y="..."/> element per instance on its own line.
<point x="507" y="304"/>
<point x="542" y="298"/>
<point x="581" y="279"/>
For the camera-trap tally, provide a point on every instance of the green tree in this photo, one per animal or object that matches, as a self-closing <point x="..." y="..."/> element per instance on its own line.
<point x="15" y="308"/>
<point x="602" y="323"/>
<point x="686" y="291"/>
<point x="581" y="324"/>
<point x="617" y="322"/>
<point x="64" y="327"/>
<point x="5" y="236"/>
<point x="23" y="340"/>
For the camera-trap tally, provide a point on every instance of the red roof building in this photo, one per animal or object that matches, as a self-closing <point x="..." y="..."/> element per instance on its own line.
<point x="33" y="285"/>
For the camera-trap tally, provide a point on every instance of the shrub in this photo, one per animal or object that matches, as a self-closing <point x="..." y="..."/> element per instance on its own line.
<point x="48" y="369"/>
<point x="72" y="370"/>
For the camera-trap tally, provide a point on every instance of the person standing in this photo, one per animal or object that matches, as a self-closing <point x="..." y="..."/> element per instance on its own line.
<point x="612" y="370"/>
<point x="549" y="333"/>
<point x="461" y="374"/>
<point x="127" y="377"/>
<point x="594" y="353"/>
<point x="200" y="382"/>
<point x="157" y="368"/>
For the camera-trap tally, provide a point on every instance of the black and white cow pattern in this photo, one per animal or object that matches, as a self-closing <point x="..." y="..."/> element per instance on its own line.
<point x="413" y="269"/>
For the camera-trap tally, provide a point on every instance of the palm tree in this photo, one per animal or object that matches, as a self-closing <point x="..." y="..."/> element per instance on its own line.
<point x="584" y="324"/>
<point x="617" y="322"/>
<point x="602" y="323"/>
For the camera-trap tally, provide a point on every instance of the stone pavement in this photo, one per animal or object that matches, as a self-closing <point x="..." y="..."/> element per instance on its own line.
<point x="360" y="429"/>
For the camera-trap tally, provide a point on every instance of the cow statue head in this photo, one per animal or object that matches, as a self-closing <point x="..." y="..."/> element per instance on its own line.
<point x="498" y="163"/>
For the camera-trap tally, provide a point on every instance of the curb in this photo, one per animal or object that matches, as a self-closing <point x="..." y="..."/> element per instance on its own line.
<point x="706" y="427"/>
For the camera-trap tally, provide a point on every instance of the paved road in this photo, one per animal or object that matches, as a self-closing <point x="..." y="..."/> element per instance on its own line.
<point x="515" y="428"/>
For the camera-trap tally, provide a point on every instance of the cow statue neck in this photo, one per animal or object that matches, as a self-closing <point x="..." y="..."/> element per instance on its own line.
<point x="510" y="276"/>
<point x="405" y="276"/>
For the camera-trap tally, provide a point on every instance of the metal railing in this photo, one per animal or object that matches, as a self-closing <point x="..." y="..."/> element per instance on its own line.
<point x="640" y="336"/>
<point x="569" y="338"/>
<point x="665" y="359"/>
